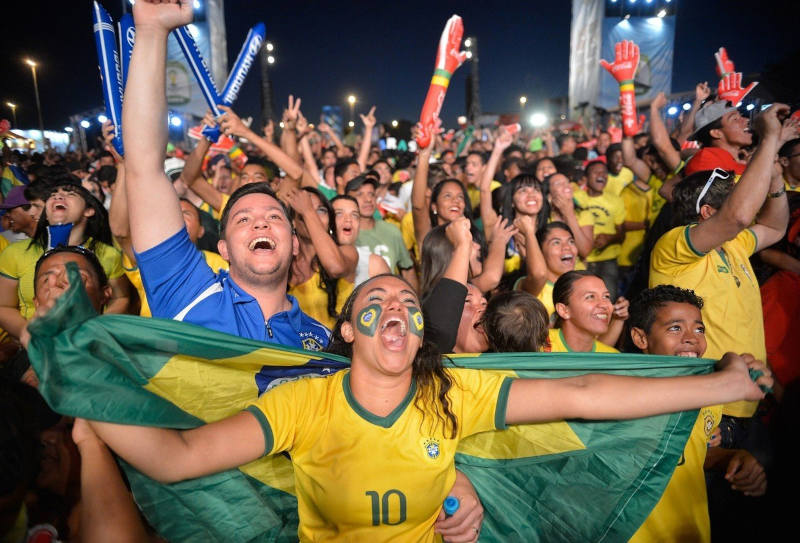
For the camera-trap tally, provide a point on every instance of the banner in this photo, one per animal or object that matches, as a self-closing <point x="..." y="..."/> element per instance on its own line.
<point x="584" y="52"/>
<point x="655" y="37"/>
<point x="563" y="481"/>
<point x="183" y="91"/>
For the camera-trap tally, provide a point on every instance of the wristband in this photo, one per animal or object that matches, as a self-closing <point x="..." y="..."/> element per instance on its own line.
<point x="778" y="193"/>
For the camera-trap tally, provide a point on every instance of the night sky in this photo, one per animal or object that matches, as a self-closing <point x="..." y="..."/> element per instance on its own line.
<point x="383" y="52"/>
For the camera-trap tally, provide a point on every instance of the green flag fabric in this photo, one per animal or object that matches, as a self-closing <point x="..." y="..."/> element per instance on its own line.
<point x="562" y="481"/>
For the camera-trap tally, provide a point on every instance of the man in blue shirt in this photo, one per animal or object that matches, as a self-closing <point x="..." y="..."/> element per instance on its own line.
<point x="256" y="237"/>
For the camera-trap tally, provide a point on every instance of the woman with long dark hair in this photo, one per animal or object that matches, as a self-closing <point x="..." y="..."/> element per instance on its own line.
<point x="71" y="216"/>
<point x="394" y="421"/>
<point x="320" y="263"/>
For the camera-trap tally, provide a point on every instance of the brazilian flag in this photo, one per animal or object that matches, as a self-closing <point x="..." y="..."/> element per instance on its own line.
<point x="13" y="176"/>
<point x="562" y="481"/>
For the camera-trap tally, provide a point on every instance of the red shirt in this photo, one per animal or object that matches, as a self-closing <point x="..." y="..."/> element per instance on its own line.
<point x="709" y="158"/>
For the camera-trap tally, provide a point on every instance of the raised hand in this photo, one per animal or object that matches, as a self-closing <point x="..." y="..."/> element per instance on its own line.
<point x="626" y="60"/>
<point x="621" y="308"/>
<point x="290" y="114"/>
<point x="269" y="130"/>
<point x="368" y="119"/>
<point x="768" y="122"/>
<point x="302" y="125"/>
<point x="724" y="64"/>
<point x="740" y="365"/>
<point x="162" y="15"/>
<point x="504" y="230"/>
<point x="701" y="91"/>
<point x="730" y="88"/>
<point x="231" y="124"/>
<point x="503" y="140"/>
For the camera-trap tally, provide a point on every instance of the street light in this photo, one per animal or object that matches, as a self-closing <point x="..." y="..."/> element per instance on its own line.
<point x="394" y="123"/>
<point x="352" y="101"/>
<point x="13" y="111"/>
<point x="522" y="101"/>
<point x="32" y="64"/>
<point x="538" y="119"/>
<point x="85" y="123"/>
<point x="101" y="118"/>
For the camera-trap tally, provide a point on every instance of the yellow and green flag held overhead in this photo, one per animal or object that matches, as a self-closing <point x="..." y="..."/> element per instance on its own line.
<point x="562" y="481"/>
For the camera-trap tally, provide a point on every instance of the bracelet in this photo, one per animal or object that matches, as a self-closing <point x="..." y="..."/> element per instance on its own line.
<point x="777" y="194"/>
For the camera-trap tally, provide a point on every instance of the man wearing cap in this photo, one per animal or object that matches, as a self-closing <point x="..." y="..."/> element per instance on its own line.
<point x="256" y="235"/>
<point x="18" y="210"/>
<point x="722" y="133"/>
<point x="710" y="253"/>
<point x="378" y="236"/>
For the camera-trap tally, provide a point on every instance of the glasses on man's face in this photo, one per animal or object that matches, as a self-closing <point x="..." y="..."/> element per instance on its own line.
<point x="718" y="173"/>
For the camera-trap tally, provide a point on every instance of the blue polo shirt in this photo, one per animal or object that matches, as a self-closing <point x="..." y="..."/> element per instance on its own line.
<point x="180" y="286"/>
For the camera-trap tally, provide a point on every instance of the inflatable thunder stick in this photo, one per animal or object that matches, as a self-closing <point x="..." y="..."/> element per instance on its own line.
<point x="108" y="59"/>
<point x="127" y="35"/>
<point x="448" y="59"/>
<point x="250" y="48"/>
<point x="623" y="69"/>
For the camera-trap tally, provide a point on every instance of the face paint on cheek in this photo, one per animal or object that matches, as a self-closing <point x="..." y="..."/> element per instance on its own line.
<point x="367" y="319"/>
<point x="415" y="321"/>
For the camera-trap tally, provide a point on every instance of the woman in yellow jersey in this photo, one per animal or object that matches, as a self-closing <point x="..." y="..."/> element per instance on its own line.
<point x="373" y="447"/>
<point x="448" y="200"/>
<point x="72" y="216"/>
<point x="587" y="320"/>
<point x="559" y="255"/>
<point x="320" y="262"/>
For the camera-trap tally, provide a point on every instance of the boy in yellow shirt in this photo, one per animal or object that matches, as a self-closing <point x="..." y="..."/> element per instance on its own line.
<point x="666" y="320"/>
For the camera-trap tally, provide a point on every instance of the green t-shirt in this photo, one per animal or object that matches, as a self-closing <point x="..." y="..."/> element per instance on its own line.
<point x="385" y="240"/>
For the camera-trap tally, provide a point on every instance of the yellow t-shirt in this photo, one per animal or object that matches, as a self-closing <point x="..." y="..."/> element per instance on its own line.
<point x="214" y="261"/>
<point x="18" y="262"/>
<point x="313" y="299"/>
<point x="362" y="477"/>
<point x="618" y="182"/>
<point x="638" y="203"/>
<point x="728" y="286"/>
<point x="558" y="344"/>
<point x="608" y="212"/>
<point x="3" y="243"/>
<point x="790" y="188"/>
<point x="658" y="201"/>
<point x="474" y="194"/>
<point x="409" y="235"/>
<point x="681" y="515"/>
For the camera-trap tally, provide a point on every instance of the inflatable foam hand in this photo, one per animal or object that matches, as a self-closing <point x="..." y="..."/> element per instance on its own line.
<point x="724" y="64"/>
<point x="730" y="88"/>
<point x="448" y="59"/>
<point x="623" y="69"/>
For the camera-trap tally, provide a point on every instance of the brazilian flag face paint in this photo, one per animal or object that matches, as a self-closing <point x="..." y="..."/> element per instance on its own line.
<point x="415" y="322"/>
<point x="367" y="320"/>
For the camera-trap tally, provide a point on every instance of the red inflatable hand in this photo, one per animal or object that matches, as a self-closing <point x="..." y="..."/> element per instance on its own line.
<point x="730" y="88"/>
<point x="724" y="64"/>
<point x="626" y="60"/>
<point x="448" y="59"/>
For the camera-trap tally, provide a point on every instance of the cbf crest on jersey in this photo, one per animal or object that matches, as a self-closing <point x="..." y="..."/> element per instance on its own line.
<point x="431" y="448"/>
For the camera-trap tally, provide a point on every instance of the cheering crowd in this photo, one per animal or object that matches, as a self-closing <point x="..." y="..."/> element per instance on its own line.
<point x="621" y="238"/>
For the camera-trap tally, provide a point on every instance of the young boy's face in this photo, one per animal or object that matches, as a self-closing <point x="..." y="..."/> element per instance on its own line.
<point x="678" y="330"/>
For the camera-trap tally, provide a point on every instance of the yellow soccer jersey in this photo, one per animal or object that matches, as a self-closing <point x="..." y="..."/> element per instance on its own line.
<point x="18" y="262"/>
<point x="214" y="261"/>
<point x="362" y="477"/>
<point x="728" y="286"/>
<point x="313" y="299"/>
<point x="3" y="243"/>
<point x="638" y="203"/>
<point x="474" y="194"/>
<point x="616" y="183"/>
<point x="789" y="187"/>
<point x="681" y="515"/>
<point x="558" y="344"/>
<point x="409" y="235"/>
<point x="657" y="201"/>
<point x="608" y="212"/>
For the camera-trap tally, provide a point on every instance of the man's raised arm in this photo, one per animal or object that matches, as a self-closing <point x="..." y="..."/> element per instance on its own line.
<point x="155" y="213"/>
